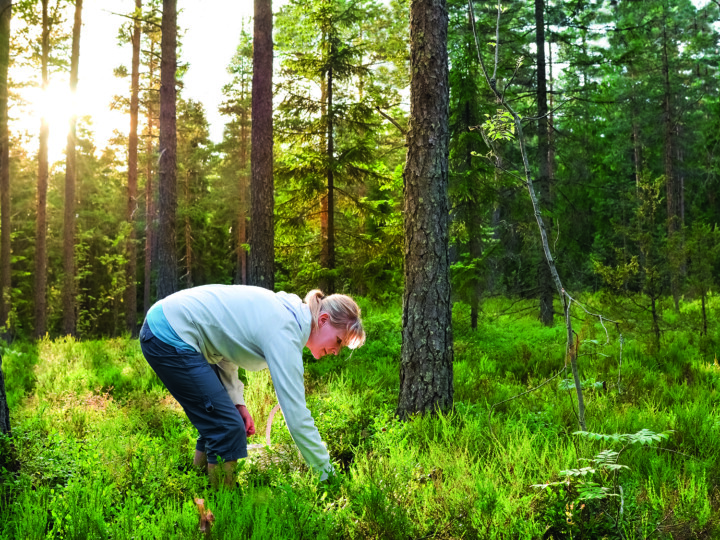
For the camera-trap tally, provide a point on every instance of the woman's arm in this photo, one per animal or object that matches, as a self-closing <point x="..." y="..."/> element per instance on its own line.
<point x="284" y="358"/>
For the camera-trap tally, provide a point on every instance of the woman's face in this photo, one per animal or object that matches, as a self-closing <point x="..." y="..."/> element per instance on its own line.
<point x="325" y="338"/>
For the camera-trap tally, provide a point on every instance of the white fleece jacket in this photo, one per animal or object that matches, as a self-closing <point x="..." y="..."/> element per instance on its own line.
<point x="253" y="328"/>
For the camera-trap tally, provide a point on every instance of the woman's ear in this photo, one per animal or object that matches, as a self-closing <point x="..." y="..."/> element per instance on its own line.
<point x="322" y="319"/>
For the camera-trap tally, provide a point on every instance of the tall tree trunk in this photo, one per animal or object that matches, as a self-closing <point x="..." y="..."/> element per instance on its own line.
<point x="149" y="234"/>
<point x="330" y="197"/>
<point x="262" y="233"/>
<point x="5" y="284"/>
<point x="673" y="193"/>
<point x="188" y="235"/>
<point x="475" y="243"/>
<point x="426" y="374"/>
<point x="69" y="303"/>
<point x="551" y="114"/>
<point x="672" y="186"/>
<point x="42" y="187"/>
<point x="545" y="283"/>
<point x="149" y="193"/>
<point x="324" y="253"/>
<point x="131" y="288"/>
<point x="5" y="14"/>
<point x="241" y="263"/>
<point x="167" y="186"/>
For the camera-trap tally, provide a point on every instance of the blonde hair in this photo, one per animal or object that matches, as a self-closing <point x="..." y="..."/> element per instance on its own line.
<point x="343" y="311"/>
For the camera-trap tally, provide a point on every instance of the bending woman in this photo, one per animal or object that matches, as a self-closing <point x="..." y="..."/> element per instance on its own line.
<point x="196" y="339"/>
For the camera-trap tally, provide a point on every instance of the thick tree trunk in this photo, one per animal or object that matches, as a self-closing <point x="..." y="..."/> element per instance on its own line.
<point x="5" y="284"/>
<point x="262" y="233"/>
<point x="131" y="288"/>
<point x="426" y="374"/>
<point x="69" y="303"/>
<point x="42" y="187"/>
<point x="167" y="282"/>
<point x="545" y="283"/>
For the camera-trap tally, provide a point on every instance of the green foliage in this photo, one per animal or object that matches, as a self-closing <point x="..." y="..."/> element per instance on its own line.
<point x="104" y="451"/>
<point x="501" y="126"/>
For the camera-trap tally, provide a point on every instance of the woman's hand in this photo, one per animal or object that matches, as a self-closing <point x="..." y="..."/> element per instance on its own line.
<point x="249" y="422"/>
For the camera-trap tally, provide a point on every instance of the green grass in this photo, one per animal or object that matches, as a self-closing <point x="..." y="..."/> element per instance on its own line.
<point x="105" y="453"/>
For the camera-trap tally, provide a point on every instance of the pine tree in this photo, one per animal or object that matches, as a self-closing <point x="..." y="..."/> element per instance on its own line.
<point x="42" y="187"/>
<point x="426" y="380"/>
<point x="236" y="145"/>
<point x="167" y="282"/>
<point x="5" y="267"/>
<point x="261" y="270"/>
<point x="132" y="188"/>
<point x="69" y="303"/>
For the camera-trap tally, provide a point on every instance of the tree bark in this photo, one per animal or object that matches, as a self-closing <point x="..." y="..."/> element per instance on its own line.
<point x="545" y="284"/>
<point x="672" y="185"/>
<point x="324" y="253"/>
<point x="262" y="234"/>
<point x="5" y="247"/>
<point x="42" y="187"/>
<point x="167" y="282"/>
<point x="131" y="288"/>
<point x="426" y="374"/>
<point x="329" y="202"/>
<point x="5" y="14"/>
<point x="69" y="303"/>
<point x="241" y="263"/>
<point x="149" y="193"/>
<point x="188" y="234"/>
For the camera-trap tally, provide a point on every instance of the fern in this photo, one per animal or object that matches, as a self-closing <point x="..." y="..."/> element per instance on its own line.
<point x="642" y="437"/>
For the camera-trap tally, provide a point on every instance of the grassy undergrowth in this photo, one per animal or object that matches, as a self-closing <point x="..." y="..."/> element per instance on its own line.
<point x="104" y="452"/>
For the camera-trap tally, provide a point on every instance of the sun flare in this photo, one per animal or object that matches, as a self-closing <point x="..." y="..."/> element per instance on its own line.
<point x="56" y="105"/>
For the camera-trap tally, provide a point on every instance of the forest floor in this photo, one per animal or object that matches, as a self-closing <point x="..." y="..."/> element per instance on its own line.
<point x="105" y="452"/>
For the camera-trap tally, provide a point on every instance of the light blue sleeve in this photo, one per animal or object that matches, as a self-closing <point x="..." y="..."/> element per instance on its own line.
<point x="283" y="353"/>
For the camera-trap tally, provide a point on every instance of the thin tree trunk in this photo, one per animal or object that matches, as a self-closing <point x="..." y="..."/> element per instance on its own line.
<point x="545" y="284"/>
<point x="262" y="233"/>
<point x="475" y="242"/>
<point x="324" y="253"/>
<point x="188" y="235"/>
<point x="167" y="185"/>
<point x="149" y="194"/>
<point x="671" y="182"/>
<point x="4" y="409"/>
<point x="242" y="189"/>
<point x="42" y="187"/>
<point x="5" y="283"/>
<point x="551" y="114"/>
<point x="426" y="374"/>
<point x="149" y="236"/>
<point x="69" y="303"/>
<point x="131" y="288"/>
<point x="5" y="14"/>
<point x="655" y="318"/>
<point x="330" y="200"/>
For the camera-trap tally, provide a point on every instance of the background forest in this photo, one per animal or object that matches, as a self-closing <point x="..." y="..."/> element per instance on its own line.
<point x="620" y="113"/>
<point x="627" y="149"/>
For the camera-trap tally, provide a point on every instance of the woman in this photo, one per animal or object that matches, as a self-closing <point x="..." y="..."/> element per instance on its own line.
<point x="196" y="339"/>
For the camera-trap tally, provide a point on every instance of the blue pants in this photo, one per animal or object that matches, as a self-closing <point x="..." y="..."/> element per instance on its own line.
<point x="195" y="384"/>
